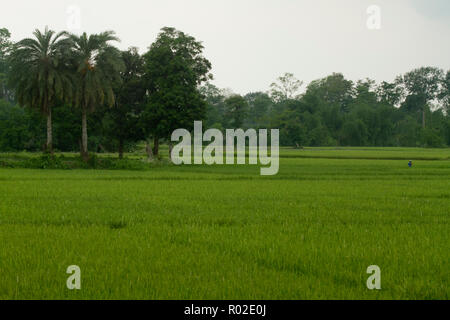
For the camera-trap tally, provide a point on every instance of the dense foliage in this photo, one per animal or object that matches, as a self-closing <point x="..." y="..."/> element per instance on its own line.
<point x="412" y="111"/>
<point x="125" y="97"/>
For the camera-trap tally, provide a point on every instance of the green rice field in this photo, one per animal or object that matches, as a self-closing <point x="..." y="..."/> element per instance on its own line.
<point x="225" y="232"/>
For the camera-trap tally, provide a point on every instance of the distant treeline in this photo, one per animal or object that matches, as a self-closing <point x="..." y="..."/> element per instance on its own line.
<point x="412" y="111"/>
<point x="55" y="88"/>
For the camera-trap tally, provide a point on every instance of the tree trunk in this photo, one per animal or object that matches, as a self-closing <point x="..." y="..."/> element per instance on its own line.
<point x="120" y="148"/>
<point x="49" y="145"/>
<point x="84" y="136"/>
<point x="149" y="151"/>
<point x="423" y="118"/>
<point x="155" y="146"/>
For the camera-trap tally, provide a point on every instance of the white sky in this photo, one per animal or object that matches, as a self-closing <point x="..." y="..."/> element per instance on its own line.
<point x="251" y="42"/>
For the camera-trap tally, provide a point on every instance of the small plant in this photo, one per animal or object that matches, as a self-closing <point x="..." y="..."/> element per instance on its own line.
<point x="117" y="225"/>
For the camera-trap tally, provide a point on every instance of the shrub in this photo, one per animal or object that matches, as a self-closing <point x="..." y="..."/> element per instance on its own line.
<point x="46" y="161"/>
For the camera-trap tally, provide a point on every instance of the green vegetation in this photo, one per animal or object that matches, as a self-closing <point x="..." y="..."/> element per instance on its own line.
<point x="141" y="228"/>
<point x="225" y="232"/>
<point x="126" y="98"/>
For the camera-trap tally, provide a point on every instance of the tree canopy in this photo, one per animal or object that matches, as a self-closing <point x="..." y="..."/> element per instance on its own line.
<point x="62" y="78"/>
<point x="174" y="69"/>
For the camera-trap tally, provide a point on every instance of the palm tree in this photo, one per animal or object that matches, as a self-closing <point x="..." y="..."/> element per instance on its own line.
<point x="40" y="74"/>
<point x="97" y="67"/>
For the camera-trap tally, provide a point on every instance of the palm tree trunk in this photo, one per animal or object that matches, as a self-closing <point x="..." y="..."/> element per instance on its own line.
<point x="49" y="145"/>
<point x="84" y="136"/>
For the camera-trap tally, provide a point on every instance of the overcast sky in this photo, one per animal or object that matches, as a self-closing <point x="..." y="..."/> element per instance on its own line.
<point x="251" y="42"/>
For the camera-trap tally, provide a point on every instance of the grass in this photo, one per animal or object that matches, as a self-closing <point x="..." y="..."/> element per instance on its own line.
<point x="225" y="232"/>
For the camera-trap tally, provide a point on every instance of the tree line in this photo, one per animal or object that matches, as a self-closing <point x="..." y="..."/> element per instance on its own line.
<point x="412" y="111"/>
<point x="55" y="88"/>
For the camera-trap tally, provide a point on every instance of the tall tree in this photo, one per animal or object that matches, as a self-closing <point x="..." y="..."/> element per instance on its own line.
<point x="215" y="110"/>
<point x="5" y="47"/>
<point x="39" y="73"/>
<point x="122" y="120"/>
<point x="444" y="95"/>
<point x="286" y="87"/>
<point x="365" y="92"/>
<point x="97" y="69"/>
<point x="333" y="91"/>
<point x="174" y="69"/>
<point x="236" y="110"/>
<point x="423" y="86"/>
<point x="390" y="93"/>
<point x="260" y="107"/>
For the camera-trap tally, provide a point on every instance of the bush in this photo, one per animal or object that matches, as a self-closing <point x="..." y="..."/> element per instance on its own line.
<point x="429" y="138"/>
<point x="46" y="161"/>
